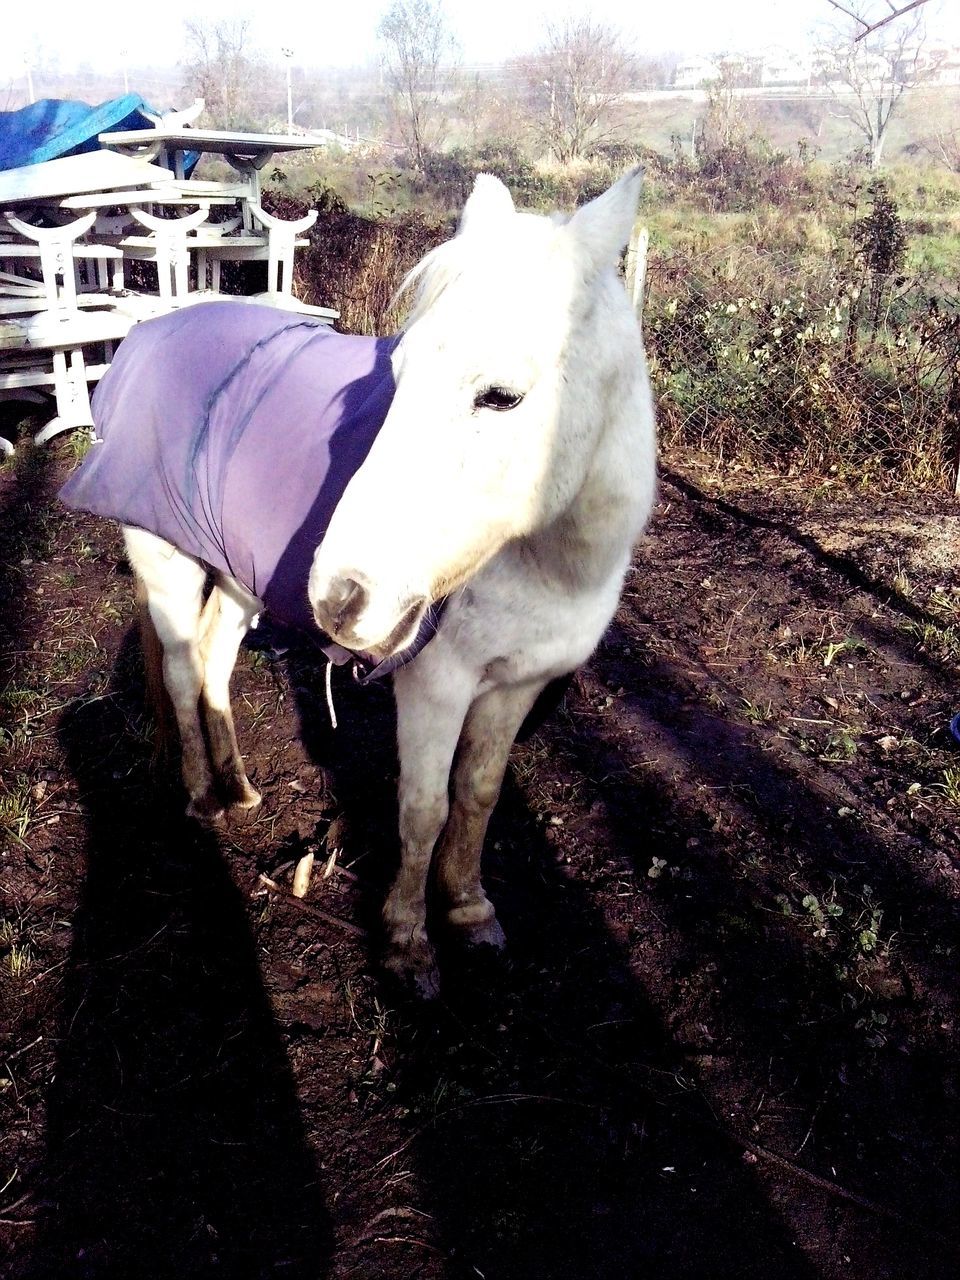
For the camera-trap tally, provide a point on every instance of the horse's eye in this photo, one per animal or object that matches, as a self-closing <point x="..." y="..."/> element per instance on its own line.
<point x="497" y="398"/>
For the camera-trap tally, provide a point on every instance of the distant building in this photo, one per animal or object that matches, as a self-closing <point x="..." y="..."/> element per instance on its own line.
<point x="694" y="73"/>
<point x="782" y="67"/>
<point x="940" y="64"/>
<point x="934" y="64"/>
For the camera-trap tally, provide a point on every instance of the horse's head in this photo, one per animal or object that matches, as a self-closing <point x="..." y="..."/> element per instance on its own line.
<point x="509" y="369"/>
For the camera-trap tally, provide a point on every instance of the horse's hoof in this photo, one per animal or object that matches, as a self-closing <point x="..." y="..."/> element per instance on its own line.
<point x="205" y="808"/>
<point x="241" y="815"/>
<point x="243" y="796"/>
<point x="415" y="970"/>
<point x="236" y="789"/>
<point x="474" y="924"/>
<point x="486" y="934"/>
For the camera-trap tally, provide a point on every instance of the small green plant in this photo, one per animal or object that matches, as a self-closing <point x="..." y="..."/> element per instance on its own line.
<point x="945" y="603"/>
<point x="821" y="913"/>
<point x="841" y="747"/>
<point x="19" y="960"/>
<point x="936" y="639"/>
<point x="16" y="809"/>
<point x="756" y="712"/>
<point x="78" y="444"/>
<point x="873" y="1024"/>
<point x="950" y="786"/>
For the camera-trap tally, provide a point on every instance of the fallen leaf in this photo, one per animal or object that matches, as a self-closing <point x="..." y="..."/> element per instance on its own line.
<point x="301" y="877"/>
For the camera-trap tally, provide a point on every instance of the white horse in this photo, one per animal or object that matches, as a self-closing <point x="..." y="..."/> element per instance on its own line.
<point x="512" y="476"/>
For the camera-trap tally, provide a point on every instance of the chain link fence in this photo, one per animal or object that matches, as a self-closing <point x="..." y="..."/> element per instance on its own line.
<point x="794" y="357"/>
<point x="794" y="360"/>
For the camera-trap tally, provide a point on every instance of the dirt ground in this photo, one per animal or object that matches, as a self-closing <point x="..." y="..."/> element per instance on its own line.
<point x="723" y="1043"/>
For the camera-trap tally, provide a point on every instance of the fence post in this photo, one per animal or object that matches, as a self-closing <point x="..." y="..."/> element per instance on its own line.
<point x="637" y="268"/>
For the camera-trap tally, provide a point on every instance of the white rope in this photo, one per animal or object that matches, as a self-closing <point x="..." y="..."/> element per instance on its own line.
<point x="330" y="706"/>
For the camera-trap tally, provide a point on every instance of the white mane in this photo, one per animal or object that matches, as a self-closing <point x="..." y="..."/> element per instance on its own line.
<point x="492" y="243"/>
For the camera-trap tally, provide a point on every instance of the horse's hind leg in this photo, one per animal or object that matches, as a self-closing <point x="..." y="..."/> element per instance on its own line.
<point x="488" y="733"/>
<point x="227" y="615"/>
<point x="173" y="585"/>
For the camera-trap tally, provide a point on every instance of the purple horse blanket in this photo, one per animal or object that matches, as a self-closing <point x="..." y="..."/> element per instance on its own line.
<point x="231" y="431"/>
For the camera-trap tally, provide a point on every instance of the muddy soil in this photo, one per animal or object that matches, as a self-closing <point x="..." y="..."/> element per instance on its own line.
<point x="723" y="1043"/>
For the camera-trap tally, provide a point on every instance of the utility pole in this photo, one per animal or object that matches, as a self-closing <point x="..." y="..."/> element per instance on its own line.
<point x="288" y="54"/>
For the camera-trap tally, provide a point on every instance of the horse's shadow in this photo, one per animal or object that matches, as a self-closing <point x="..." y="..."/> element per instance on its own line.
<point x="537" y="1152"/>
<point x="175" y="1144"/>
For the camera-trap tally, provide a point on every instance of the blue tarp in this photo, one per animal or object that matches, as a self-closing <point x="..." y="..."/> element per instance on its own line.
<point x="55" y="127"/>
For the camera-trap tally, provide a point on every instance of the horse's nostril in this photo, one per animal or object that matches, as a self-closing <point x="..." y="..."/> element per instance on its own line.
<point x="352" y="601"/>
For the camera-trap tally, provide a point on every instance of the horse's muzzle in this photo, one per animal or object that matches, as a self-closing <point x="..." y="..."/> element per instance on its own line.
<point x="343" y="611"/>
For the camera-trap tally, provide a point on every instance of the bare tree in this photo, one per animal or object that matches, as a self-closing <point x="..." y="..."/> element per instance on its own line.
<point x="869" y="74"/>
<point x="947" y="143"/>
<point x="221" y="68"/>
<point x="573" y="83"/>
<point x="726" y="121"/>
<point x="869" y="24"/>
<point x="419" y="51"/>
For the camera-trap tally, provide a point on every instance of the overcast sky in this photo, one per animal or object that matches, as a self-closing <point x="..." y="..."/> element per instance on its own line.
<point x="344" y="34"/>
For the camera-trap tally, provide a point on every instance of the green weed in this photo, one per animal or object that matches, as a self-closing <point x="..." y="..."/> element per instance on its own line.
<point x="16" y="808"/>
<point x="756" y="712"/>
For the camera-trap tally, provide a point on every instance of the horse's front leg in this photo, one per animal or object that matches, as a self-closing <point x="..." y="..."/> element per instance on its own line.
<point x="432" y="701"/>
<point x="488" y="733"/>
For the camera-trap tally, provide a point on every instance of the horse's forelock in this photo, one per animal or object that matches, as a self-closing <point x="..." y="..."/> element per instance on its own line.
<point x="493" y="255"/>
<point x="431" y="275"/>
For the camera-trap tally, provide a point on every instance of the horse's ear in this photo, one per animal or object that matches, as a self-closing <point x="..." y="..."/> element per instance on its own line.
<point x="601" y="229"/>
<point x="488" y="204"/>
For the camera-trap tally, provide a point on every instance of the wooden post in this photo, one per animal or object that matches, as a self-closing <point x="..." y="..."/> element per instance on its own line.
<point x="637" y="268"/>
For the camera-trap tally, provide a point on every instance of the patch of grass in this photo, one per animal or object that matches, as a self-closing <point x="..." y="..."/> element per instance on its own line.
<point x="68" y="662"/>
<point x="901" y="583"/>
<point x="756" y="712"/>
<point x="950" y="787"/>
<point x="16" y="808"/>
<point x="78" y="444"/>
<point x="945" y="604"/>
<point x="934" y="254"/>
<point x="937" y="640"/>
<point x="81" y="549"/>
<point x="800" y="650"/>
<point x="18" y="954"/>
<point x="19" y="960"/>
<point x="111" y="611"/>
